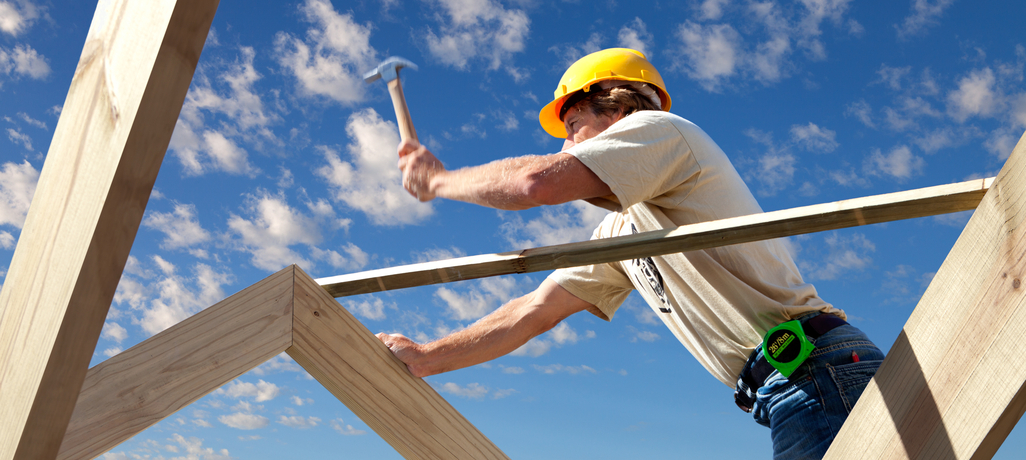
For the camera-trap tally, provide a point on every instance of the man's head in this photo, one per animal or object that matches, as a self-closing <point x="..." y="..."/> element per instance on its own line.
<point x="613" y="82"/>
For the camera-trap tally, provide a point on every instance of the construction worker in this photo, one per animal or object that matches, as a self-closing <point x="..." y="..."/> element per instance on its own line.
<point x="654" y="170"/>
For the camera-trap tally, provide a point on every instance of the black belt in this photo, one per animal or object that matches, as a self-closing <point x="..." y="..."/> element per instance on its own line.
<point x="754" y="374"/>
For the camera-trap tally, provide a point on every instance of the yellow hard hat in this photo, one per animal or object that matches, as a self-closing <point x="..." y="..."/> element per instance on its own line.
<point x="610" y="64"/>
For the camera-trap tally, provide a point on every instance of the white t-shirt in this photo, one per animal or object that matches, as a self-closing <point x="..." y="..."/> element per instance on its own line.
<point x="666" y="172"/>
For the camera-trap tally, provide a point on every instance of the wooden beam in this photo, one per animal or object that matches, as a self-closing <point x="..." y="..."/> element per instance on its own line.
<point x="952" y="385"/>
<point x="116" y="123"/>
<point x="139" y="387"/>
<point x="345" y="357"/>
<point x="910" y="204"/>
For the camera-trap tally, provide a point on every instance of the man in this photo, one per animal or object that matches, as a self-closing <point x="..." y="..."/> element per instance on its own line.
<point x="654" y="170"/>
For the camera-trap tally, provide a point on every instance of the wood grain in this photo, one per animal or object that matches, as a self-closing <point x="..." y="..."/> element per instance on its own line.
<point x="116" y="123"/>
<point x="952" y="385"/>
<point x="345" y="357"/>
<point x="923" y="202"/>
<point x="139" y="387"/>
<point x="402" y="111"/>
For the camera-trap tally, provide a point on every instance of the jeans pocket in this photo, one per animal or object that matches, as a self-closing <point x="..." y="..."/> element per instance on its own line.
<point x="851" y="379"/>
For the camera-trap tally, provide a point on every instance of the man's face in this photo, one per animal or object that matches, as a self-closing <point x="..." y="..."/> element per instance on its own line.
<point x="582" y="125"/>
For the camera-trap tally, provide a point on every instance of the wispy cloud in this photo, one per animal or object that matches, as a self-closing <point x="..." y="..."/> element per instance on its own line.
<point x="478" y="30"/>
<point x="370" y="182"/>
<point x="925" y="13"/>
<point x="717" y="55"/>
<point x="329" y="62"/>
<point x="17" y="185"/>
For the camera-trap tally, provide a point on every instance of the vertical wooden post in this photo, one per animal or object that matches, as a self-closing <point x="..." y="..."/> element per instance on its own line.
<point x="116" y="123"/>
<point x="952" y="385"/>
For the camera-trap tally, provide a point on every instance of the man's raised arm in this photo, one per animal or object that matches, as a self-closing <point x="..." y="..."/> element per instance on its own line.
<point x="510" y="184"/>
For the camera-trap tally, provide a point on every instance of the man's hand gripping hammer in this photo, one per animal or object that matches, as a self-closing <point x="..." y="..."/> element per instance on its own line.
<point x="389" y="71"/>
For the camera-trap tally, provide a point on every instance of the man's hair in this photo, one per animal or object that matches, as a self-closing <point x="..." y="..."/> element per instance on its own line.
<point x="624" y="100"/>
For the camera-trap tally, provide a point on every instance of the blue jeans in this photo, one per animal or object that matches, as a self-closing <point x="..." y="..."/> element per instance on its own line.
<point x="805" y="412"/>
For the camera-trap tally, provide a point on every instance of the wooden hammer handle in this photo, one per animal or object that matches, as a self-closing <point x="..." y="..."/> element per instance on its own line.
<point x="402" y="112"/>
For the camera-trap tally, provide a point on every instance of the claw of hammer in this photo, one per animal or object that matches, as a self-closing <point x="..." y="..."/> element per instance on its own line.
<point x="388" y="70"/>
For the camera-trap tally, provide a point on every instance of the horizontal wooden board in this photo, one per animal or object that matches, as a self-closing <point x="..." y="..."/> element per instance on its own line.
<point x="889" y="207"/>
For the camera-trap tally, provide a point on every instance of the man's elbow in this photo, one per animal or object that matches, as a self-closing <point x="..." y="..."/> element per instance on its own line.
<point x="541" y="191"/>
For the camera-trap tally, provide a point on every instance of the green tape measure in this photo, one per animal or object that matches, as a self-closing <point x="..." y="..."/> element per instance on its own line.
<point x="786" y="347"/>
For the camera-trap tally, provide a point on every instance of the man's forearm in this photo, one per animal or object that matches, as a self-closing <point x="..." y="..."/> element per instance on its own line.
<point x="495" y="335"/>
<point x="510" y="184"/>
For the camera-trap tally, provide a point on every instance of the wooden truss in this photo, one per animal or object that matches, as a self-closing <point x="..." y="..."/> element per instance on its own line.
<point x="952" y="386"/>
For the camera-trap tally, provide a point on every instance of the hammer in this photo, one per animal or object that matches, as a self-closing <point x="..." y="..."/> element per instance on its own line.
<point x="389" y="71"/>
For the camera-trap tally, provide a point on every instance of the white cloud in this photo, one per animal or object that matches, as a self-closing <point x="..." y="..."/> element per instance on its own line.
<point x="762" y="50"/>
<point x="486" y="295"/>
<point x="470" y="391"/>
<point x="7" y="240"/>
<point x="354" y="259"/>
<point x="194" y="450"/>
<point x="17" y="16"/>
<point x="281" y="363"/>
<point x="273" y="228"/>
<point x="244" y="421"/>
<point x="19" y="137"/>
<point x="565" y="223"/>
<point x="260" y="391"/>
<point x="711" y="53"/>
<point x="202" y="150"/>
<point x="813" y="138"/>
<point x="558" y="336"/>
<point x="17" y="185"/>
<point x="976" y="95"/>
<point x="114" y="331"/>
<point x="298" y="421"/>
<point x="181" y="229"/>
<point x="644" y="336"/>
<point x="346" y="430"/>
<point x="924" y="13"/>
<point x="712" y="9"/>
<point x="862" y="112"/>
<point x="892" y="76"/>
<point x="27" y="62"/>
<point x="561" y="369"/>
<point x="478" y="29"/>
<point x="330" y="61"/>
<point x="176" y="300"/>
<point x="372" y="309"/>
<point x="635" y="35"/>
<point x="31" y="121"/>
<point x="899" y="163"/>
<point x="817" y="12"/>
<point x="775" y="171"/>
<point x="842" y="256"/>
<point x="371" y="183"/>
<point x="1001" y="142"/>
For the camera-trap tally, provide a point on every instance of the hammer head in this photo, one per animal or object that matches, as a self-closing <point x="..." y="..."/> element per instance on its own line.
<point x="389" y="69"/>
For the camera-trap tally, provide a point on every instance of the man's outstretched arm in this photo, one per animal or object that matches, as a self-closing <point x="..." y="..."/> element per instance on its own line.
<point x="495" y="335"/>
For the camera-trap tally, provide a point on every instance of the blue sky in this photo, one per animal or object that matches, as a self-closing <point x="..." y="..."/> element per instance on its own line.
<point x="282" y="154"/>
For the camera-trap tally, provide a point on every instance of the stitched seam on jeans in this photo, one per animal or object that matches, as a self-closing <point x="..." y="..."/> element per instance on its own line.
<point x="840" y="389"/>
<point x="841" y="346"/>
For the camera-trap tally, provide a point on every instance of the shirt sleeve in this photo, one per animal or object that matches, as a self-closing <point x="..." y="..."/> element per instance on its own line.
<point x="605" y="286"/>
<point x="640" y="157"/>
